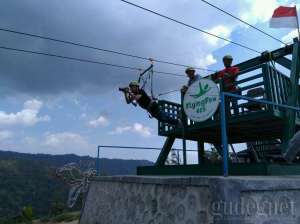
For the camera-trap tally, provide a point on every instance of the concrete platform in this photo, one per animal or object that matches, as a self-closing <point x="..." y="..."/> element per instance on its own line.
<point x="192" y="200"/>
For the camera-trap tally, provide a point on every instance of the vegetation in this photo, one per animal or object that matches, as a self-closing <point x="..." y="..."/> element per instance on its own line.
<point x="28" y="179"/>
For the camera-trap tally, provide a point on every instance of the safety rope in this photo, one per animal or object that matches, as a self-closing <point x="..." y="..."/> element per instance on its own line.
<point x="147" y="76"/>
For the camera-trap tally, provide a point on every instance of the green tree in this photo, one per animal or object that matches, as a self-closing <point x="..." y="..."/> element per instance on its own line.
<point x="27" y="214"/>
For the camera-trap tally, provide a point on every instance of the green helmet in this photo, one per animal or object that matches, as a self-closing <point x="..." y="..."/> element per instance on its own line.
<point x="189" y="69"/>
<point x="228" y="57"/>
<point x="134" y="83"/>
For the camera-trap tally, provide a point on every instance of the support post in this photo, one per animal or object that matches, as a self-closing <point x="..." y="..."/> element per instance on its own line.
<point x="201" y="158"/>
<point x="184" y="123"/>
<point x="165" y="151"/>
<point x="290" y="118"/>
<point x="224" y="135"/>
<point x="98" y="162"/>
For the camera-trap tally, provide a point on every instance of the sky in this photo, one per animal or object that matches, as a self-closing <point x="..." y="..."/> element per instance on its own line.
<point x="56" y="106"/>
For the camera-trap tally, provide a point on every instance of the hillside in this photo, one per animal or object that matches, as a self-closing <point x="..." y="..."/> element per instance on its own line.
<point x="29" y="179"/>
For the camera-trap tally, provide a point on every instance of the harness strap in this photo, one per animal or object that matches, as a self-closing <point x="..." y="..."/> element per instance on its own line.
<point x="150" y="109"/>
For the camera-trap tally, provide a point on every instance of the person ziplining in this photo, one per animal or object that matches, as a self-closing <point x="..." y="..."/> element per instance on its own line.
<point x="136" y="95"/>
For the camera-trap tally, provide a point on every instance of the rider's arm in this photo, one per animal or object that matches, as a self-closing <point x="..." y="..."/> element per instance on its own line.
<point x="128" y="98"/>
<point x="135" y="97"/>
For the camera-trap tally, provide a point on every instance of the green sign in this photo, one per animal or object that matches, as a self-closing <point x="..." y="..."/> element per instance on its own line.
<point x="201" y="100"/>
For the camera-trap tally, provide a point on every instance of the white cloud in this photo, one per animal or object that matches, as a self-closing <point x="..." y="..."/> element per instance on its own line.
<point x="28" y="116"/>
<point x="4" y="135"/>
<point x="259" y="11"/>
<point x="207" y="61"/>
<point x="290" y="36"/>
<point x="220" y="30"/>
<point x="100" y="121"/>
<point x="137" y="128"/>
<point x="65" y="142"/>
<point x="142" y="130"/>
<point x="120" y="130"/>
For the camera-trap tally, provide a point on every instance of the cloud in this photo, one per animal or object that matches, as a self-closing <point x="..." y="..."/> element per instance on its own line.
<point x="259" y="11"/>
<point x="136" y="128"/>
<point x="4" y="135"/>
<point x="120" y="130"/>
<point x="65" y="142"/>
<point x="207" y="61"/>
<point x="220" y="30"/>
<point x="290" y="36"/>
<point x="142" y="130"/>
<point x="101" y="121"/>
<point x="28" y="116"/>
<point x="123" y="32"/>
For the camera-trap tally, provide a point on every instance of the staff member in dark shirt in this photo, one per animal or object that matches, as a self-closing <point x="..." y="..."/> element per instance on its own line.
<point x="134" y="93"/>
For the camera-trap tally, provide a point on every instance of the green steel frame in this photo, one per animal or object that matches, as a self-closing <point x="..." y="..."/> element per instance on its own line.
<point x="269" y="123"/>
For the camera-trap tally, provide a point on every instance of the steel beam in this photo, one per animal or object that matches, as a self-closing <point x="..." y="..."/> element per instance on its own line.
<point x="290" y="118"/>
<point x="163" y="155"/>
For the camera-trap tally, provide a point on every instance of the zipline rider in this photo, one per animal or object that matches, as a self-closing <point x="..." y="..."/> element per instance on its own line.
<point x="134" y="93"/>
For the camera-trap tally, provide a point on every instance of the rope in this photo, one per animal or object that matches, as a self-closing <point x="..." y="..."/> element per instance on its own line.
<point x="190" y="26"/>
<point x="168" y="92"/>
<point x="148" y="78"/>
<point x="248" y="24"/>
<point x="98" y="48"/>
<point x="83" y="60"/>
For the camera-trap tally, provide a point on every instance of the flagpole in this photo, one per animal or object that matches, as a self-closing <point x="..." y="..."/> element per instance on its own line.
<point x="297" y="23"/>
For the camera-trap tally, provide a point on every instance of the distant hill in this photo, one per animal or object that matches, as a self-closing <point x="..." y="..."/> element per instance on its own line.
<point x="108" y="166"/>
<point x="29" y="179"/>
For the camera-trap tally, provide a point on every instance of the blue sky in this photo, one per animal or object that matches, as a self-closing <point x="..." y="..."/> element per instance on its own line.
<point x="56" y="106"/>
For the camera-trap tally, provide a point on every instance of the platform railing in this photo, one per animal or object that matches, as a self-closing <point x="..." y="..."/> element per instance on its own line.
<point x="102" y="147"/>
<point x="273" y="85"/>
<point x="249" y="78"/>
<point x="224" y="121"/>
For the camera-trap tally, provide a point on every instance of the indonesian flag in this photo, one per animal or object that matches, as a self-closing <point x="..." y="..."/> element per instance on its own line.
<point x="284" y="17"/>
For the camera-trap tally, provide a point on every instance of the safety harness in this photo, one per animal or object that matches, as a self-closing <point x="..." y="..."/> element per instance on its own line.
<point x="144" y="78"/>
<point x="147" y="76"/>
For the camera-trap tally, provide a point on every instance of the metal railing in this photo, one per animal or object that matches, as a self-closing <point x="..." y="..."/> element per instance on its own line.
<point x="224" y="123"/>
<point x="132" y="148"/>
<point x="274" y="86"/>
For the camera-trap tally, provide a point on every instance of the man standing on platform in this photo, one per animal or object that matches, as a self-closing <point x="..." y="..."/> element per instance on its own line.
<point x="193" y="77"/>
<point x="229" y="76"/>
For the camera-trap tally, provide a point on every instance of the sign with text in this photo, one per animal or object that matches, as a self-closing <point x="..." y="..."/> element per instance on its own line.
<point x="201" y="100"/>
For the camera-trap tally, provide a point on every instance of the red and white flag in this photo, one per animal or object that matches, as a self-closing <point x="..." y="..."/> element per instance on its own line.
<point x="284" y="17"/>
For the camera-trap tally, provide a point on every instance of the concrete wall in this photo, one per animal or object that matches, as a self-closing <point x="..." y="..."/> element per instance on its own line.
<point x="192" y="200"/>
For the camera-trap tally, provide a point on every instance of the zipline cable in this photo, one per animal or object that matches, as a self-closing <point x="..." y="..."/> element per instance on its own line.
<point x="84" y="60"/>
<point x="97" y="48"/>
<point x="190" y="26"/>
<point x="168" y="92"/>
<point x="237" y="18"/>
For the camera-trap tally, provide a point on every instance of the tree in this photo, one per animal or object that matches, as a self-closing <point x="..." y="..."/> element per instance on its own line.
<point x="27" y="214"/>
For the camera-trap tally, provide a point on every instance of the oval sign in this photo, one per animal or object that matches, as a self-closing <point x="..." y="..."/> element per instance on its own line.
<point x="201" y="100"/>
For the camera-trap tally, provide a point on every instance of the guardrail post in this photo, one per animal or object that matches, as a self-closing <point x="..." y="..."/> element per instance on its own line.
<point x="184" y="122"/>
<point x="98" y="162"/>
<point x="290" y="120"/>
<point x="201" y="153"/>
<point x="224" y="135"/>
